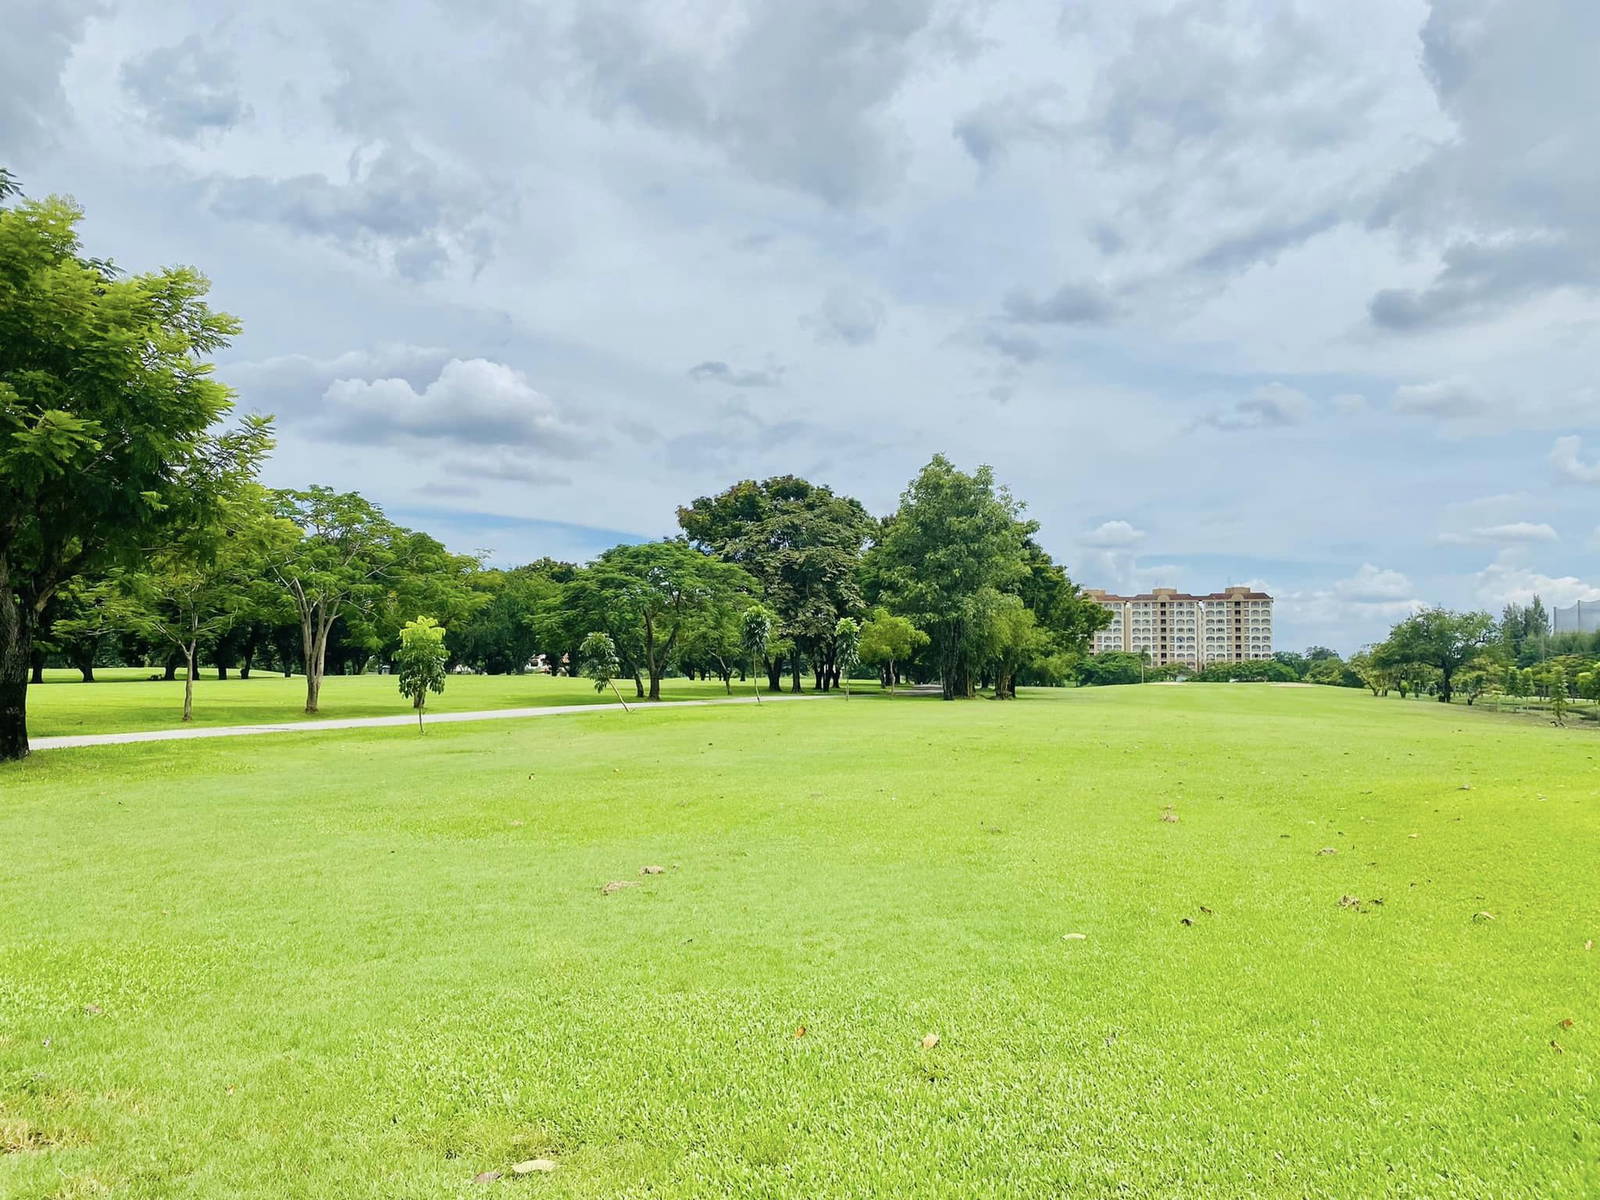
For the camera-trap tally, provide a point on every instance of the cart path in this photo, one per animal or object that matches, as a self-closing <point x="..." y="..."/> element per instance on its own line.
<point x="494" y="714"/>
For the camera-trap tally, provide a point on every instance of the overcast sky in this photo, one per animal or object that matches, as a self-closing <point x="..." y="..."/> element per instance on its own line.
<point x="1299" y="295"/>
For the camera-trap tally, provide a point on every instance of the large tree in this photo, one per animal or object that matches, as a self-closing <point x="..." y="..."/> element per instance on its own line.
<point x="658" y="590"/>
<point x="1437" y="638"/>
<point x="338" y="561"/>
<point x="107" y="420"/>
<point x="191" y="590"/>
<point x="955" y="543"/>
<point x="803" y="544"/>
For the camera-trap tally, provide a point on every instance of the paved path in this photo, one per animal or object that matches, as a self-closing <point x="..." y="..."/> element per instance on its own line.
<point x="495" y="714"/>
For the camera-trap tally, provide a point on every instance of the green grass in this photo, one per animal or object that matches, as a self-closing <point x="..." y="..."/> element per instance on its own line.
<point x="377" y="964"/>
<point x="126" y="698"/>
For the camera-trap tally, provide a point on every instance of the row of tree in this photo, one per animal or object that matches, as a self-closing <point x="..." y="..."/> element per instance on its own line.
<point x="133" y="529"/>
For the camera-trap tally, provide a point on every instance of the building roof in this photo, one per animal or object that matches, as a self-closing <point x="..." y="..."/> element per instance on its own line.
<point x="1167" y="594"/>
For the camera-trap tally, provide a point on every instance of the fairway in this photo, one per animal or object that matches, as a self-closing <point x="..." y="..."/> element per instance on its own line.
<point x="126" y="698"/>
<point x="377" y="964"/>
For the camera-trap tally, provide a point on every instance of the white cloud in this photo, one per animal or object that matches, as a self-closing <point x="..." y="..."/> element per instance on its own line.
<point x="1511" y="533"/>
<point x="1565" y="457"/>
<point x="1374" y="585"/>
<point x="473" y="402"/>
<point x="1503" y="583"/>
<point x="1113" y="535"/>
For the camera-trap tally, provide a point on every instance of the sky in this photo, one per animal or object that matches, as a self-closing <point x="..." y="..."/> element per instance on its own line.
<point x="1299" y="295"/>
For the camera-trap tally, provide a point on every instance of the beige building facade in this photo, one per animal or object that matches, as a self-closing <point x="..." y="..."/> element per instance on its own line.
<point x="1170" y="626"/>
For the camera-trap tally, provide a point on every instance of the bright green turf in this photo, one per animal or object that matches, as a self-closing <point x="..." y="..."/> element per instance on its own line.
<point x="376" y="964"/>
<point x="127" y="699"/>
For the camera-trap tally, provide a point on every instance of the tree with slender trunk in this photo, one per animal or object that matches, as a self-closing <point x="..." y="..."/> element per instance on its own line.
<point x="336" y="562"/>
<point x="598" y="654"/>
<point x="191" y="590"/>
<point x="846" y="650"/>
<point x="107" y="413"/>
<point x="420" y="662"/>
<point x="888" y="640"/>
<point x="755" y="631"/>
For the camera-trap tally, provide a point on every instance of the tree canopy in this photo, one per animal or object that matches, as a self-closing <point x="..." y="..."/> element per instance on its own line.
<point x="108" y="420"/>
<point x="655" y="590"/>
<point x="1436" y="638"/>
<point x="953" y="546"/>
<point x="802" y="544"/>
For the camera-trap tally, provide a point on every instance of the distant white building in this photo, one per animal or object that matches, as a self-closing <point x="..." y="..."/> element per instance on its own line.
<point x="1174" y="627"/>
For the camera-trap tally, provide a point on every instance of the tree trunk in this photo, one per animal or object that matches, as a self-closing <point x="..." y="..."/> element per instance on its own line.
<point x="16" y="651"/>
<point x="314" y="643"/>
<point x="188" y="685"/>
<point x="222" y="670"/>
<point x="774" y="669"/>
<point x="794" y="666"/>
<point x="36" y="667"/>
<point x="655" y="685"/>
<point x="171" y="671"/>
<point x="638" y="685"/>
<point x="87" y="671"/>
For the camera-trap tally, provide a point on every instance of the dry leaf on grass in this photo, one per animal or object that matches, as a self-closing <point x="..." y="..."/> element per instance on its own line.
<point x="486" y="1177"/>
<point x="652" y="870"/>
<point x="616" y="885"/>
<point x="929" y="1041"/>
<point x="1170" y="817"/>
<point x="1185" y="921"/>
<point x="1074" y="937"/>
<point x="1327" y="850"/>
<point x="1557" y="1047"/>
<point x="1566" y="1022"/>
<point x="532" y="1165"/>
<point x="1350" y="902"/>
<point x="92" y="1010"/>
<point x="1589" y="945"/>
<point x="799" y="1031"/>
<point x="1483" y="916"/>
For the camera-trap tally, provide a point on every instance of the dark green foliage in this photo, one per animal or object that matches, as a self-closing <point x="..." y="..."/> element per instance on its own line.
<point x="107" y="421"/>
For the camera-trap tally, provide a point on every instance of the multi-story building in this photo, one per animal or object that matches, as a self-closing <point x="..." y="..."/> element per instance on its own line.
<point x="1174" y="627"/>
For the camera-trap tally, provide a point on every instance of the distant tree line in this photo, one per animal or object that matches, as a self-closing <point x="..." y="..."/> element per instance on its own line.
<point x="133" y="530"/>
<point x="1435" y="652"/>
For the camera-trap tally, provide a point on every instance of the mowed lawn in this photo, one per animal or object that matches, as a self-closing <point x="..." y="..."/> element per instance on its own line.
<point x="124" y="698"/>
<point x="378" y="964"/>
